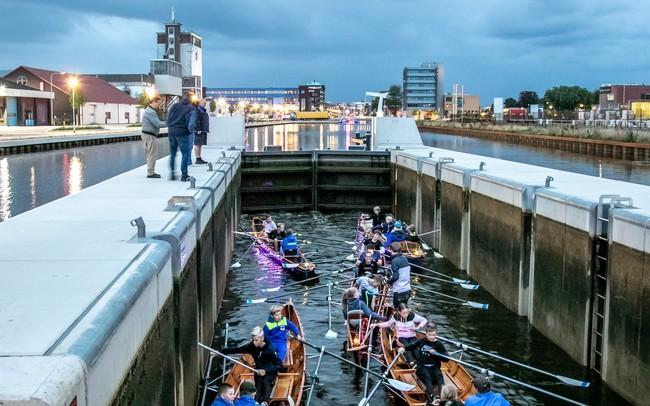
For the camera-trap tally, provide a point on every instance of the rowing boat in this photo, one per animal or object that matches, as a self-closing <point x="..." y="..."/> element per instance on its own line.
<point x="453" y="373"/>
<point x="287" y="390"/>
<point x="297" y="264"/>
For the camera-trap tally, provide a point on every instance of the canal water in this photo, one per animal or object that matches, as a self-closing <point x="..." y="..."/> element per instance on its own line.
<point x="497" y="329"/>
<point x="627" y="171"/>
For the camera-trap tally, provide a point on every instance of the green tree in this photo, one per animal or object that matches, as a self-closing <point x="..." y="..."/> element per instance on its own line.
<point x="509" y="103"/>
<point x="213" y="106"/>
<point x="394" y="99"/>
<point x="143" y="100"/>
<point x="527" y="97"/>
<point x="566" y="98"/>
<point x="79" y="99"/>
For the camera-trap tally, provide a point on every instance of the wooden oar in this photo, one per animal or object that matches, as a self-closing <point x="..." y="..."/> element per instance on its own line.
<point x="330" y="334"/>
<point x="238" y="263"/>
<point x="507" y="378"/>
<point x="399" y="385"/>
<point x="264" y="299"/>
<point x="441" y="274"/>
<point x="366" y="401"/>
<point x="463" y="285"/>
<point x="300" y="282"/>
<point x="212" y="350"/>
<point x="564" y="379"/>
<point x="475" y="305"/>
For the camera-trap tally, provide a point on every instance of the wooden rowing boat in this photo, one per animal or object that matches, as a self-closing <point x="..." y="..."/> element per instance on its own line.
<point x="296" y="264"/>
<point x="453" y="372"/>
<point x="288" y="388"/>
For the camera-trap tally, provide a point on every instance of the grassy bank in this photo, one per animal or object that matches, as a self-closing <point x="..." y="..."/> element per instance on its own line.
<point x="593" y="133"/>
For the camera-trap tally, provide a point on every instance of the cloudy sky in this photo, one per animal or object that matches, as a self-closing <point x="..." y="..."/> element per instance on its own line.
<point x="493" y="47"/>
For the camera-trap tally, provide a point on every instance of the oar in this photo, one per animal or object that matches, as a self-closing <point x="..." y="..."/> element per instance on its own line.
<point x="429" y="232"/>
<point x="564" y="379"/>
<point x="238" y="263"/>
<point x="264" y="299"/>
<point x="227" y="357"/>
<point x="476" y="305"/>
<point x="463" y="285"/>
<point x="441" y="274"/>
<point x="365" y="401"/>
<point x="330" y="334"/>
<point x="507" y="378"/>
<point x="399" y="385"/>
<point x="288" y="285"/>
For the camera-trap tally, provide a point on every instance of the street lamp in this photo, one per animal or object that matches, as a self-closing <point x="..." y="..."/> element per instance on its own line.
<point x="52" y="99"/>
<point x="73" y="82"/>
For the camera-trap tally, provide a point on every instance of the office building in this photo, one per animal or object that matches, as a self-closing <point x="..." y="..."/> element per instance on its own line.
<point x="618" y="97"/>
<point x="271" y="97"/>
<point x="456" y="104"/>
<point x="311" y="96"/>
<point x="422" y="88"/>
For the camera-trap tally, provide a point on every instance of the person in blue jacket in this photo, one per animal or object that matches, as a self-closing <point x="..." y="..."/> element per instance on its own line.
<point x="485" y="397"/>
<point x="225" y="396"/>
<point x="289" y="246"/>
<point x="276" y="329"/>
<point x="396" y="235"/>
<point x="247" y="392"/>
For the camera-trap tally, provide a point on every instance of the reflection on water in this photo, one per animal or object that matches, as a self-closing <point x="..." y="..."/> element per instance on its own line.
<point x="306" y="137"/>
<point x="567" y="161"/>
<point x="31" y="180"/>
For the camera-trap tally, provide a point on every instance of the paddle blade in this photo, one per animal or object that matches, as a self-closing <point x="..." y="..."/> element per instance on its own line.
<point x="363" y="402"/>
<point x="271" y="289"/>
<point x="468" y="286"/>
<point x="476" y="305"/>
<point x="572" y="382"/>
<point x="460" y="280"/>
<point x="349" y="258"/>
<point x="251" y="301"/>
<point x="437" y="254"/>
<point x="236" y="265"/>
<point x="425" y="246"/>
<point x="399" y="385"/>
<point x="331" y="334"/>
<point x="350" y="242"/>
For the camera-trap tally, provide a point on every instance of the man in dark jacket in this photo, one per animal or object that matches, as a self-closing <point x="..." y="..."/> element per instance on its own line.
<point x="267" y="362"/>
<point x="428" y="361"/>
<point x="202" y="130"/>
<point x="401" y="278"/>
<point x="181" y="122"/>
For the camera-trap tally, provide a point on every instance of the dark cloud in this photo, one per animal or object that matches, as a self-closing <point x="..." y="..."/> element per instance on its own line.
<point x="493" y="47"/>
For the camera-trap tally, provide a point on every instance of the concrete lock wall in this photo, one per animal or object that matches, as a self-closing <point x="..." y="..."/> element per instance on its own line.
<point x="499" y="235"/>
<point x="429" y="218"/>
<point x="118" y="317"/>
<point x="626" y="355"/>
<point x="454" y="218"/>
<point x="406" y="179"/>
<point x="564" y="229"/>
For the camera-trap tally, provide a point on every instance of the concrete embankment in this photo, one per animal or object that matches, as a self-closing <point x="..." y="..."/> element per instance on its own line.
<point x="569" y="252"/>
<point x="621" y="145"/>
<point x="96" y="311"/>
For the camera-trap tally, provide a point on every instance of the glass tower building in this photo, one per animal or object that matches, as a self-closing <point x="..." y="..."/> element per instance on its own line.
<point x="422" y="87"/>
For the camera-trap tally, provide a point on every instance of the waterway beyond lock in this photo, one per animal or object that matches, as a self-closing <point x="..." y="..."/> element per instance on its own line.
<point x="497" y="329"/>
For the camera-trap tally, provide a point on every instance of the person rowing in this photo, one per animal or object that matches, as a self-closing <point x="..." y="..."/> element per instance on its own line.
<point x="396" y="235"/>
<point x="289" y="245"/>
<point x="276" y="331"/>
<point x="368" y="265"/>
<point x="351" y="301"/>
<point x="401" y="275"/>
<point x="376" y="240"/>
<point x="412" y="235"/>
<point x="428" y="362"/>
<point x="267" y="362"/>
<point x="377" y="216"/>
<point x="269" y="226"/>
<point x="278" y="235"/>
<point x="368" y="287"/>
<point x="485" y="396"/>
<point x="406" y="323"/>
<point x="387" y="226"/>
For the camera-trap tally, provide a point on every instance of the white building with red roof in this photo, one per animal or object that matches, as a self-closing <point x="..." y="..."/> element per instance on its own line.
<point x="103" y="103"/>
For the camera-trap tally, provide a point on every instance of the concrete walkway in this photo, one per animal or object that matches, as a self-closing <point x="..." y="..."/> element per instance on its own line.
<point x="25" y="133"/>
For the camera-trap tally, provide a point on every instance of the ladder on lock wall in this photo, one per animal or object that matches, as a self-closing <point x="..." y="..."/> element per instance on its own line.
<point x="599" y="276"/>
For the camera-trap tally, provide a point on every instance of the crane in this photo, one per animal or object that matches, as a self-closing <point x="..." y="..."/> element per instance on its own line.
<point x="380" y="105"/>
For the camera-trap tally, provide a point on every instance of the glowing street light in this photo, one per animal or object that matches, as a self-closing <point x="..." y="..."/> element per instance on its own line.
<point x="73" y="82"/>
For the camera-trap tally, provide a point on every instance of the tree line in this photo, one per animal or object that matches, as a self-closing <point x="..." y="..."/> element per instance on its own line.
<point x="563" y="98"/>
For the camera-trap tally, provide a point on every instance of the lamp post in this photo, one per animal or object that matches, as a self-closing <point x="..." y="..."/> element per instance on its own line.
<point x="73" y="82"/>
<point x="52" y="99"/>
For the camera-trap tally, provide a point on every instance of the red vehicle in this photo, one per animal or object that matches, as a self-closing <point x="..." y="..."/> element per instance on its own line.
<point x="516" y="113"/>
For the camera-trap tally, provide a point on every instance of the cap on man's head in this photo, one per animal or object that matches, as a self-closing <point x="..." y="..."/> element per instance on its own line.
<point x="481" y="383"/>
<point x="247" y="388"/>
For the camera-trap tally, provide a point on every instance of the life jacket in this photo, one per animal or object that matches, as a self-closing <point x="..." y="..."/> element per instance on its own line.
<point x="275" y="324"/>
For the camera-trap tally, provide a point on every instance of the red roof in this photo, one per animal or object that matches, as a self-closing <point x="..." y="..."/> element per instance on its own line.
<point x="94" y="89"/>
